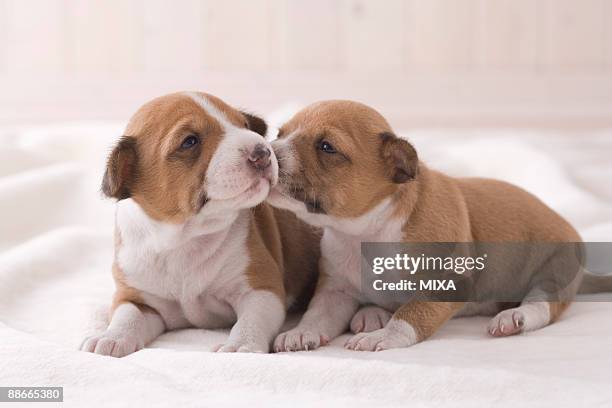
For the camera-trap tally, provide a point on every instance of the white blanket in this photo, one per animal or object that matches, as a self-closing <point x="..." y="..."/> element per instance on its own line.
<point x="55" y="287"/>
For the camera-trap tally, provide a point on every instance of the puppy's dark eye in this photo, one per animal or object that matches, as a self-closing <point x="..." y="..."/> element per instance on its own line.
<point x="189" y="142"/>
<point x="327" y="147"/>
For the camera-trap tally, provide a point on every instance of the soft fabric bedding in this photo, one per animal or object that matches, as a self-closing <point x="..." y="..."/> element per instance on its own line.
<point x="56" y="285"/>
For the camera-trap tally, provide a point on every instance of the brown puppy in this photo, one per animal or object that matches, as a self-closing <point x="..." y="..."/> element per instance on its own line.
<point x="195" y="246"/>
<point x="342" y="168"/>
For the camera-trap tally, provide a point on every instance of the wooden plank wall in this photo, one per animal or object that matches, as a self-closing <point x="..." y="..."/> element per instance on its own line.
<point x="102" y="39"/>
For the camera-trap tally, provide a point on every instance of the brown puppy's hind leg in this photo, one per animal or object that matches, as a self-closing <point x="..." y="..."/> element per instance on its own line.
<point x="553" y="288"/>
<point x="528" y="316"/>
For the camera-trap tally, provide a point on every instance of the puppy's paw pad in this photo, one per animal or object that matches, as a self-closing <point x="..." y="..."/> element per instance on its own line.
<point x="369" y="318"/>
<point x="507" y="323"/>
<point x="297" y="340"/>
<point x="111" y="344"/>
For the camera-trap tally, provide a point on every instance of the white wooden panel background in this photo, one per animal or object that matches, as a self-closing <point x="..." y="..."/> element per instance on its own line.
<point x="121" y="46"/>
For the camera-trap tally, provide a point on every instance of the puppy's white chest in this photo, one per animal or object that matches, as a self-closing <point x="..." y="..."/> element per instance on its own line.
<point x="174" y="274"/>
<point x="341" y="257"/>
<point x="189" y="280"/>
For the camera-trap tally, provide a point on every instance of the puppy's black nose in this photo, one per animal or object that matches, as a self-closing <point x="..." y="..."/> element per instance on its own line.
<point x="259" y="158"/>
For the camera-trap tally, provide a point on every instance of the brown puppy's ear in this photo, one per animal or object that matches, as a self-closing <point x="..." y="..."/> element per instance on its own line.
<point x="255" y="123"/>
<point x="120" y="169"/>
<point x="400" y="156"/>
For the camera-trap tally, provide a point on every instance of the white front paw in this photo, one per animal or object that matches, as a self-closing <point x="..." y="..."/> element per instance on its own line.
<point x="299" y="339"/>
<point x="394" y="335"/>
<point x="242" y="346"/>
<point x="112" y="344"/>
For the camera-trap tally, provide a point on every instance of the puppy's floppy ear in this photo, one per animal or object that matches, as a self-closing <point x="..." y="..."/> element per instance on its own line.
<point x="255" y="123"/>
<point x="121" y="169"/>
<point x="401" y="158"/>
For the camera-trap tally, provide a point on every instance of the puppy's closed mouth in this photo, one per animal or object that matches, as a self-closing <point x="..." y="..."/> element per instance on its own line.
<point x="299" y="193"/>
<point x="247" y="194"/>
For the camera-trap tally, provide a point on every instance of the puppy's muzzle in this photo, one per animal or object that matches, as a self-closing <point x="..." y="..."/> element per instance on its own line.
<point x="259" y="158"/>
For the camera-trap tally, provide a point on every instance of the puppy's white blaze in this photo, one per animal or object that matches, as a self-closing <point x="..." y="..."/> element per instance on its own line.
<point x="228" y="173"/>
<point x="210" y="108"/>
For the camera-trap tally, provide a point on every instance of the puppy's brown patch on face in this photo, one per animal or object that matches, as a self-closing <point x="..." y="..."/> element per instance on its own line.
<point x="336" y="160"/>
<point x="161" y="161"/>
<point x="176" y="139"/>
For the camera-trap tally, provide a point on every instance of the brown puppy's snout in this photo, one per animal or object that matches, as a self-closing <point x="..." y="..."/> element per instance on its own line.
<point x="259" y="158"/>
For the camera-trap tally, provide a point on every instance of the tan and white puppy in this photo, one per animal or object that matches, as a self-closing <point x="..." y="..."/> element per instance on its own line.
<point x="194" y="246"/>
<point x="343" y="169"/>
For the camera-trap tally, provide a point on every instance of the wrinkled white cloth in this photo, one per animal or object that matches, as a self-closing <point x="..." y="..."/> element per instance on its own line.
<point x="56" y="285"/>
